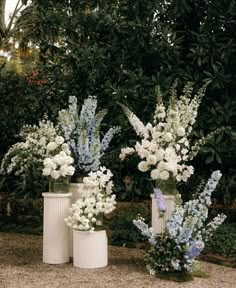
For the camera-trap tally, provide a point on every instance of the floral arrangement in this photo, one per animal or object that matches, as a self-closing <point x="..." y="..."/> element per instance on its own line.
<point x="86" y="213"/>
<point x="42" y="149"/>
<point x="186" y="232"/>
<point x="165" y="145"/>
<point x="58" y="164"/>
<point x="31" y="152"/>
<point x="82" y="133"/>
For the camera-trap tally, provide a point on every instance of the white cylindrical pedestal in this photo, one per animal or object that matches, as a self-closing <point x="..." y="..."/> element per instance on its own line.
<point x="158" y="224"/>
<point x="90" y="249"/>
<point x="55" y="230"/>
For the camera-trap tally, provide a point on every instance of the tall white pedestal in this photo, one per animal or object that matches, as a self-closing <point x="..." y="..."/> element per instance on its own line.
<point x="55" y="231"/>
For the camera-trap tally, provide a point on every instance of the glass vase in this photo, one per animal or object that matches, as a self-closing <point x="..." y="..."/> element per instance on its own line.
<point x="167" y="187"/>
<point x="59" y="186"/>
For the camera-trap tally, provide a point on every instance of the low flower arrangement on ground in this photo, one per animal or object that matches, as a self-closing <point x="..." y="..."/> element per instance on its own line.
<point x="97" y="199"/>
<point x="185" y="234"/>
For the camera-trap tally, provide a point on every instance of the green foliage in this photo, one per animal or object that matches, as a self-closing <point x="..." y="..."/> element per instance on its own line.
<point x="223" y="241"/>
<point x="122" y="231"/>
<point x="26" y="215"/>
<point x="120" y="50"/>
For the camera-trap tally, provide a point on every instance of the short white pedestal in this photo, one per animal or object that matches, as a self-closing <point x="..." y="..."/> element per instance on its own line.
<point x="158" y="224"/>
<point x="55" y="230"/>
<point x="90" y="249"/>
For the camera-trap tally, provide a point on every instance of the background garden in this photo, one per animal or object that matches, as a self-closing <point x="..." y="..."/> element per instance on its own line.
<point x="120" y="53"/>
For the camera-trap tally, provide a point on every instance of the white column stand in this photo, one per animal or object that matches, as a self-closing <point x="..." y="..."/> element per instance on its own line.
<point x="158" y="224"/>
<point x="76" y="189"/>
<point x="55" y="230"/>
<point x="90" y="249"/>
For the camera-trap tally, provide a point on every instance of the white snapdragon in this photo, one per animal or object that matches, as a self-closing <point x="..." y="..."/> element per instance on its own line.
<point x="125" y="152"/>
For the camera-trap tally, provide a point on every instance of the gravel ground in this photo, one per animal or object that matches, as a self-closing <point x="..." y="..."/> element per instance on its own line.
<point x="21" y="266"/>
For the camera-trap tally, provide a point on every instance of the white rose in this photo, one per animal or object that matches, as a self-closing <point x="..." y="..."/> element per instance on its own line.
<point x="181" y="131"/>
<point x="70" y="170"/>
<point x="155" y="174"/>
<point x="178" y="177"/>
<point x="46" y="171"/>
<point x="55" y="174"/>
<point x="143" y="166"/>
<point x="51" y="146"/>
<point x="164" y="175"/>
<point x="151" y="160"/>
<point x="160" y="154"/>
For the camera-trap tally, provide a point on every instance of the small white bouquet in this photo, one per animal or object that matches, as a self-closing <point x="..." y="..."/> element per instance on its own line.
<point x="87" y="212"/>
<point x="58" y="162"/>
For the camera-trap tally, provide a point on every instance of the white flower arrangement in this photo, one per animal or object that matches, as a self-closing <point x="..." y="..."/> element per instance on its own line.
<point x="97" y="200"/>
<point x="185" y="234"/>
<point x="31" y="152"/>
<point x="42" y="149"/>
<point x="165" y="145"/>
<point x="58" y="163"/>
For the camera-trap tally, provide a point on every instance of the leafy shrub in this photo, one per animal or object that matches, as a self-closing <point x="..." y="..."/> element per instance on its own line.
<point x="223" y="241"/>
<point x="121" y="228"/>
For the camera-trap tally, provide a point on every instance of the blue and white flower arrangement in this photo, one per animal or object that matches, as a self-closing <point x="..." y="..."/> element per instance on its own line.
<point x="165" y="146"/>
<point x="82" y="133"/>
<point x="185" y="234"/>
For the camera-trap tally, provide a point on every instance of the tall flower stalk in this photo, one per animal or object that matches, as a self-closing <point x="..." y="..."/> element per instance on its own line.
<point x="82" y="133"/>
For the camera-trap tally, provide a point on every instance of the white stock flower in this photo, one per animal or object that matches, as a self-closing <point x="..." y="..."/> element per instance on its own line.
<point x="168" y="137"/>
<point x="155" y="174"/>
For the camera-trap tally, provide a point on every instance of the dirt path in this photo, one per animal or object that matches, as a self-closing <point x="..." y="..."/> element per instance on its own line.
<point x="21" y="266"/>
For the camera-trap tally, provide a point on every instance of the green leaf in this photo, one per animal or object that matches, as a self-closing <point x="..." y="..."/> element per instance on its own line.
<point x="209" y="159"/>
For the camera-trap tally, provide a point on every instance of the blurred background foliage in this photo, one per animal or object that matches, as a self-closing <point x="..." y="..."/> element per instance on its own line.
<point x="120" y="51"/>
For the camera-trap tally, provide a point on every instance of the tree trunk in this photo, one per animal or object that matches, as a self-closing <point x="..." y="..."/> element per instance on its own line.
<point x="2" y="18"/>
